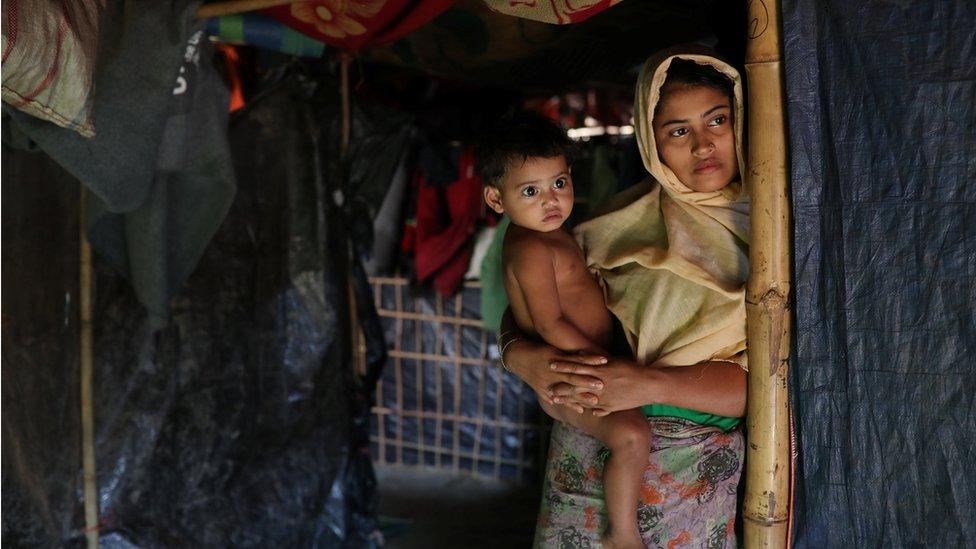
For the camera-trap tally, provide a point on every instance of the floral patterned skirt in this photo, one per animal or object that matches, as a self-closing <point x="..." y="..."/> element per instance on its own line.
<point x="688" y="496"/>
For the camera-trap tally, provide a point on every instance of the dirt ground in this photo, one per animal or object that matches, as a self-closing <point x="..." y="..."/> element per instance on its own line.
<point x="431" y="510"/>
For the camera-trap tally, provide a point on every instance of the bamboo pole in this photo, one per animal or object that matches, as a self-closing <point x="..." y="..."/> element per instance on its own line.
<point x="87" y="367"/>
<point x="344" y="94"/>
<point x="230" y="7"/>
<point x="767" y="497"/>
<point x="358" y="339"/>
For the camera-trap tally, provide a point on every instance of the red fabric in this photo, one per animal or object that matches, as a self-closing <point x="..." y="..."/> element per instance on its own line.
<point x="447" y="220"/>
<point x="352" y="24"/>
<point x="560" y="12"/>
<point x="231" y="62"/>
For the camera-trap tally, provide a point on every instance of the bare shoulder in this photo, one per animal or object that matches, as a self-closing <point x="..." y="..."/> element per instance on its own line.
<point x="523" y="247"/>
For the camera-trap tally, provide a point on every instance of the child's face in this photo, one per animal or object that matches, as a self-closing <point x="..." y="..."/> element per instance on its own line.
<point x="537" y="195"/>
<point x="693" y="128"/>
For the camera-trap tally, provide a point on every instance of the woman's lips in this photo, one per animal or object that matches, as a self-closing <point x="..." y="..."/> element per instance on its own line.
<point x="707" y="166"/>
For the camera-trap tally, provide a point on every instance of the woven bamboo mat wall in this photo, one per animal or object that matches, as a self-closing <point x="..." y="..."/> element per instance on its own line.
<point x="444" y="402"/>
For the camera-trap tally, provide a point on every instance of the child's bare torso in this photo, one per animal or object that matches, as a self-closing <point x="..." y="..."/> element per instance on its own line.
<point x="579" y="293"/>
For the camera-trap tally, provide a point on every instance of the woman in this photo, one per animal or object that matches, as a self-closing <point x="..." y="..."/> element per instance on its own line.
<point x="672" y="256"/>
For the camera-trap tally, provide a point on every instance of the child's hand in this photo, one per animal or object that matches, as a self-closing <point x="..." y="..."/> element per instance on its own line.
<point x="531" y="361"/>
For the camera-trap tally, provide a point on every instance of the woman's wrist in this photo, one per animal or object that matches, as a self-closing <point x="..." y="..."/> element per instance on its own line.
<point x="715" y="387"/>
<point x="652" y="385"/>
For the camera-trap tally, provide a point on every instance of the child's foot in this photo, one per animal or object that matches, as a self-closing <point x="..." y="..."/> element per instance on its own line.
<point x="610" y="541"/>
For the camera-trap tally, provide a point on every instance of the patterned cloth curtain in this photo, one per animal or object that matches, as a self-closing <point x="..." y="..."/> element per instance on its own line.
<point x="560" y="12"/>
<point x="49" y="60"/>
<point x="353" y="24"/>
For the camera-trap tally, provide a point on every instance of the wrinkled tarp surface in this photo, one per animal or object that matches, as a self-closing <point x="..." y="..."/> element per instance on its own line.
<point x="41" y="426"/>
<point x="882" y="115"/>
<point x="240" y="424"/>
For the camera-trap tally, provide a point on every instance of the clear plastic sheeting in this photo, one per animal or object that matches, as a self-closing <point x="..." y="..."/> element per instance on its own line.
<point x="882" y="118"/>
<point x="242" y="423"/>
<point x="444" y="401"/>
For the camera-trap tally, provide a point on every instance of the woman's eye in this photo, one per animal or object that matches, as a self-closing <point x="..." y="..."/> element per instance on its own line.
<point x="678" y="132"/>
<point x="718" y="120"/>
<point x="560" y="183"/>
<point x="530" y="191"/>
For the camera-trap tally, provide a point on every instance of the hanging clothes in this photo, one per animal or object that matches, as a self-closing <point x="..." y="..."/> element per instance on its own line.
<point x="159" y="168"/>
<point x="388" y="225"/>
<point x="447" y="219"/>
<point x="259" y="30"/>
<point x="482" y="242"/>
<point x="494" y="299"/>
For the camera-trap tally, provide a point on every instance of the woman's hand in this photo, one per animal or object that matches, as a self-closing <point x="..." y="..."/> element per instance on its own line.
<point x="531" y="361"/>
<point x="715" y="387"/>
<point x="625" y="385"/>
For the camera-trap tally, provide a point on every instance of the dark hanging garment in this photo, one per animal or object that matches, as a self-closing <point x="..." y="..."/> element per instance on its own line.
<point x="376" y="181"/>
<point x="159" y="166"/>
<point x="882" y="119"/>
<point x="243" y="423"/>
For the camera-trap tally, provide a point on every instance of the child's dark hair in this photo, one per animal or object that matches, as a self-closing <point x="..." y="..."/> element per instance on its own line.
<point x="513" y="140"/>
<point x="684" y="72"/>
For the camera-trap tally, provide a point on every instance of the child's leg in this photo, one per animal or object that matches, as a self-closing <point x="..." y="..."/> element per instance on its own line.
<point x="628" y="437"/>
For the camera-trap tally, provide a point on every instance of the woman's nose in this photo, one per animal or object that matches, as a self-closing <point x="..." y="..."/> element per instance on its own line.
<point x="702" y="147"/>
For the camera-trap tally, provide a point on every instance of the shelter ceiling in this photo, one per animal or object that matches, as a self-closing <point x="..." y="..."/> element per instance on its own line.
<point x="471" y="43"/>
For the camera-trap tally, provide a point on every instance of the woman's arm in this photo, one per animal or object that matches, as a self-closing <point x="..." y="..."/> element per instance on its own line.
<point x="714" y="387"/>
<point x="530" y="361"/>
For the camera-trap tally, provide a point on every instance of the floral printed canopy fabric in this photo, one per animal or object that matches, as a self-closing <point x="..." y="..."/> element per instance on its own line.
<point x="561" y="12"/>
<point x="353" y="24"/>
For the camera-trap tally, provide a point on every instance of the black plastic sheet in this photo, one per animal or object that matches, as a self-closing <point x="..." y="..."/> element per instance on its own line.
<point x="882" y="115"/>
<point x="242" y="423"/>
<point x="41" y="427"/>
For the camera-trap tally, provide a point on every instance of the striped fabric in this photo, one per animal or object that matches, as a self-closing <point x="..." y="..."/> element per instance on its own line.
<point x="49" y="59"/>
<point x="256" y="29"/>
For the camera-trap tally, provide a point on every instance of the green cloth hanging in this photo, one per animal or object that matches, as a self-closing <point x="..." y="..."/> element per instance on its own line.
<point x="494" y="300"/>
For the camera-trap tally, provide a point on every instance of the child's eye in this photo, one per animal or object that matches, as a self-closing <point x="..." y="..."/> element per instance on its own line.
<point x="560" y="183"/>
<point x="718" y="120"/>
<point x="678" y="132"/>
<point x="530" y="192"/>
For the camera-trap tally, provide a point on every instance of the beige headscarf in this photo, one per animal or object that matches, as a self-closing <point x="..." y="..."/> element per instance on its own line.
<point x="673" y="261"/>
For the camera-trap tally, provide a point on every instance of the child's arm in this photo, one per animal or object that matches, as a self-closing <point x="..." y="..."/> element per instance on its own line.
<point x="532" y="264"/>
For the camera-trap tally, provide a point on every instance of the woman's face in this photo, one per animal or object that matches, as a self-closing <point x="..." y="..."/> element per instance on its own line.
<point x="693" y="127"/>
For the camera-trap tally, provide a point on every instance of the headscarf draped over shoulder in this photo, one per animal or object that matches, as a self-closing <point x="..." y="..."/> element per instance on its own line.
<point x="673" y="262"/>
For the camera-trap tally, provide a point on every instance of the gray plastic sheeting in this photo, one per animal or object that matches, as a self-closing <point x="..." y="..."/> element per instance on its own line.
<point x="882" y="115"/>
